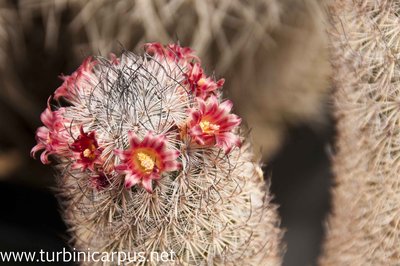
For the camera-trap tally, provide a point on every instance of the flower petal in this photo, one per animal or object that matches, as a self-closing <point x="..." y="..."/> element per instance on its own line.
<point x="131" y="180"/>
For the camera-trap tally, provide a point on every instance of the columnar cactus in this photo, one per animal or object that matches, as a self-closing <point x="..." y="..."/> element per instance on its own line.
<point x="152" y="159"/>
<point x="364" y="227"/>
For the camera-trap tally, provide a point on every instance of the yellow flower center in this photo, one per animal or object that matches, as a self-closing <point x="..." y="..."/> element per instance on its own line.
<point x="207" y="127"/>
<point x="146" y="162"/>
<point x="201" y="82"/>
<point x="89" y="152"/>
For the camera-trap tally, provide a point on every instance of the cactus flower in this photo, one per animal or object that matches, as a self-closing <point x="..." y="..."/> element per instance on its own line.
<point x="87" y="150"/>
<point x="172" y="52"/>
<point x="212" y="124"/>
<point x="78" y="80"/>
<point x="201" y="85"/>
<point x="146" y="160"/>
<point x="52" y="137"/>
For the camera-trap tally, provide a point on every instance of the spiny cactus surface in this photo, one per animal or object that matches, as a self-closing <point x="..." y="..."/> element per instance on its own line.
<point x="151" y="159"/>
<point x="364" y="226"/>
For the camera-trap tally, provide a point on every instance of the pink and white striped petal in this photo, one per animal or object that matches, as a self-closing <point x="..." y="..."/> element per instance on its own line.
<point x="212" y="124"/>
<point x="146" y="160"/>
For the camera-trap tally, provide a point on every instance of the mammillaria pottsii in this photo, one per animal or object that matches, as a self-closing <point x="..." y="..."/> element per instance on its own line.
<point x="152" y="159"/>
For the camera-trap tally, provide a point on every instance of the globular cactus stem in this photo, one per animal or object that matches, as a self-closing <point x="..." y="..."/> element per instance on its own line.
<point x="364" y="226"/>
<point x="151" y="159"/>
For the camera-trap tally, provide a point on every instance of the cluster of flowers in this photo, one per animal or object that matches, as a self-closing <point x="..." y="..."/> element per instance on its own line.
<point x="208" y="123"/>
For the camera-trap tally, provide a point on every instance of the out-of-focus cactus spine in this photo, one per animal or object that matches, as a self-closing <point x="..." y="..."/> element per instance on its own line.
<point x="364" y="226"/>
<point x="151" y="160"/>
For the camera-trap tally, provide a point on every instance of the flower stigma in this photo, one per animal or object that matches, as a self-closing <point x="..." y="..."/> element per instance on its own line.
<point x="89" y="152"/>
<point x="146" y="162"/>
<point x="207" y="127"/>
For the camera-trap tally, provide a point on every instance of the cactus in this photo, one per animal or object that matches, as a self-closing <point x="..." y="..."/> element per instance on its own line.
<point x="364" y="226"/>
<point x="151" y="159"/>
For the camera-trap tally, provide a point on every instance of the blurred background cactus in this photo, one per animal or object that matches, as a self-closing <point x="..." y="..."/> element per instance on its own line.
<point x="363" y="228"/>
<point x="272" y="54"/>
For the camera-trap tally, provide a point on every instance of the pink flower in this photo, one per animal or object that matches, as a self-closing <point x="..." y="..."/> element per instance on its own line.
<point x="172" y="52"/>
<point x="114" y="59"/>
<point x="181" y="53"/>
<point x="201" y="85"/>
<point x="76" y="81"/>
<point x="53" y="136"/>
<point x="87" y="151"/>
<point x="99" y="181"/>
<point x="146" y="160"/>
<point x="212" y="124"/>
<point x="155" y="49"/>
